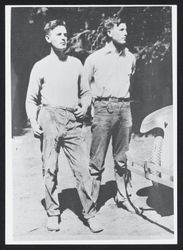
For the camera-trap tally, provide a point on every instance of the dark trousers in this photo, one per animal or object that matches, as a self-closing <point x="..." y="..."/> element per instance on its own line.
<point x="62" y="130"/>
<point x="111" y="120"/>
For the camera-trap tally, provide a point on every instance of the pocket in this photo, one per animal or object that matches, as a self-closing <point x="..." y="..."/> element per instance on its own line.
<point x="44" y="117"/>
<point x="99" y="107"/>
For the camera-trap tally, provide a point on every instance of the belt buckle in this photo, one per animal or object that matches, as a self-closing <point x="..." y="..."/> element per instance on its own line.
<point x="110" y="107"/>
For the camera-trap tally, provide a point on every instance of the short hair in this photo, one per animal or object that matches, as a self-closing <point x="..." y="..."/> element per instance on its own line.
<point x="53" y="24"/>
<point x="109" y="23"/>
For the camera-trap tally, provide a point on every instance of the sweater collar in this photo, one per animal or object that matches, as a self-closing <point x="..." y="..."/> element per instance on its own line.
<point x="111" y="49"/>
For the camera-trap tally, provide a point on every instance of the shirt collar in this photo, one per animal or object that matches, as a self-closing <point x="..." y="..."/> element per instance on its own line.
<point x="110" y="49"/>
<point x="54" y="56"/>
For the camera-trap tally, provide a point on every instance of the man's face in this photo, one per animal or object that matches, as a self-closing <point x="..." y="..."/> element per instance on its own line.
<point x="118" y="33"/>
<point x="58" y="37"/>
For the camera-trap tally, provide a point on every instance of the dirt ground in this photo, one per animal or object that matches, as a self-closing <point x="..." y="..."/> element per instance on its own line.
<point x="29" y="217"/>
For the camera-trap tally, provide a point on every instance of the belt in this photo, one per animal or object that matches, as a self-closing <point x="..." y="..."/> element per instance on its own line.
<point x="59" y="107"/>
<point x="112" y="99"/>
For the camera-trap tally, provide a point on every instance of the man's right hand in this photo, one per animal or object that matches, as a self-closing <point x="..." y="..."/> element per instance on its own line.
<point x="37" y="130"/>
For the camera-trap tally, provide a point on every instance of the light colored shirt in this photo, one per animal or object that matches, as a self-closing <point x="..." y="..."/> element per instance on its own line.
<point x="108" y="72"/>
<point x="57" y="83"/>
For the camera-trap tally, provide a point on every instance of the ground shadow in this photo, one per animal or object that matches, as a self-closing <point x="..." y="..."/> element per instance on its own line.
<point x="107" y="191"/>
<point x="159" y="198"/>
<point x="69" y="199"/>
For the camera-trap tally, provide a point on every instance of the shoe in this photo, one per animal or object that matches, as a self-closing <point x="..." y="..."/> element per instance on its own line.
<point x="94" y="225"/>
<point x="53" y="223"/>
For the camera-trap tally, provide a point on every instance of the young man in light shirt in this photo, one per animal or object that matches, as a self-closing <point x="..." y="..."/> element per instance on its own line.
<point x="108" y="71"/>
<point x="56" y="117"/>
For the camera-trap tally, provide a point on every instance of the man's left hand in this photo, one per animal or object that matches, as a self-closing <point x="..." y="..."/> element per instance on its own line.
<point x="79" y="112"/>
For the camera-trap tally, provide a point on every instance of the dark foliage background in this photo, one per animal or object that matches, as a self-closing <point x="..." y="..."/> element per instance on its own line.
<point x="149" y="37"/>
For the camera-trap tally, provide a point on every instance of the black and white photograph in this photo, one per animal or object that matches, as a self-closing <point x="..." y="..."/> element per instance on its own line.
<point x="91" y="124"/>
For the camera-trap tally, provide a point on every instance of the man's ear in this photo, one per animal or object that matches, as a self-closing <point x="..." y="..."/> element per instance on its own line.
<point x="109" y="33"/>
<point x="47" y="37"/>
